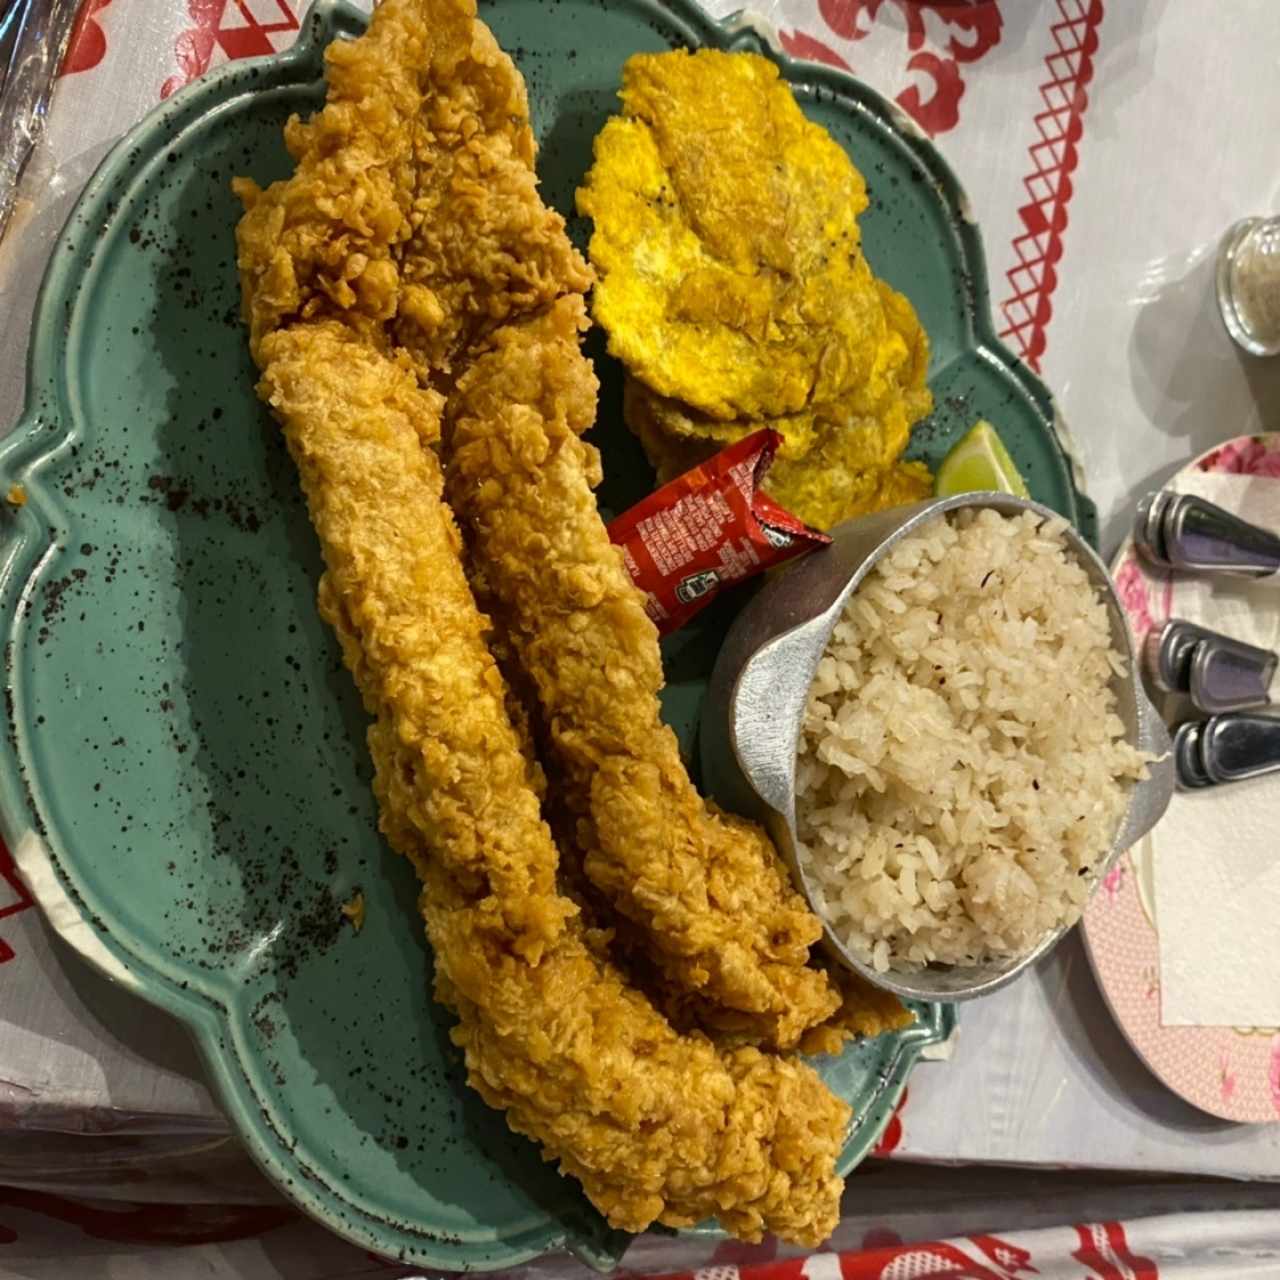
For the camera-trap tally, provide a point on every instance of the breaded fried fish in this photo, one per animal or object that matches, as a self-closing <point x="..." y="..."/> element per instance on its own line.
<point x="711" y="897"/>
<point x="408" y="248"/>
<point x="656" y="1126"/>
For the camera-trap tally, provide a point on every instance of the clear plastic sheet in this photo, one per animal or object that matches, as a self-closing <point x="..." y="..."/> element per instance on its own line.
<point x="45" y="196"/>
<point x="36" y="36"/>
<point x="897" y="1223"/>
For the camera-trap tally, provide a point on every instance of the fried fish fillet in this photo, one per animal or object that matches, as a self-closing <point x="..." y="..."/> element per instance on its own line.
<point x="733" y="286"/>
<point x="413" y="214"/>
<point x="656" y="1126"/>
<point x="715" y="904"/>
<point x="722" y="928"/>
<point x="414" y="217"/>
<point x="425" y="123"/>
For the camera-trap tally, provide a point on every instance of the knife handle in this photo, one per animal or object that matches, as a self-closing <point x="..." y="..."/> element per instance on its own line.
<point x="1240" y="745"/>
<point x="1202" y="537"/>
<point x="1229" y="675"/>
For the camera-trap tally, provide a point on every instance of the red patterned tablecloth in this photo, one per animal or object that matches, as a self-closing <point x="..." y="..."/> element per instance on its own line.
<point x="47" y="1237"/>
<point x="1103" y="149"/>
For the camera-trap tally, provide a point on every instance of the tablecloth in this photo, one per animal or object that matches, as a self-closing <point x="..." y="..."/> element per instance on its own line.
<point x="1104" y="149"/>
<point x="903" y="1224"/>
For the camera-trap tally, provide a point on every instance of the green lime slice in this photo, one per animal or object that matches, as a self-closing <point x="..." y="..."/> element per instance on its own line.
<point x="979" y="461"/>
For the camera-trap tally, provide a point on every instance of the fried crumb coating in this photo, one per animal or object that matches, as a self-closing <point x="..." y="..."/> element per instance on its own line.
<point x="413" y="213"/>
<point x="711" y="896"/>
<point x="657" y="1126"/>
<point x="409" y="233"/>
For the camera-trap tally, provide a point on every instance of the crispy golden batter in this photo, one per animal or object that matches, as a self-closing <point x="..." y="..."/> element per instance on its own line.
<point x="708" y="890"/>
<point x="413" y="214"/>
<point x="416" y="177"/>
<point x="865" y="1011"/>
<point x="654" y="1125"/>
<point x="733" y="286"/>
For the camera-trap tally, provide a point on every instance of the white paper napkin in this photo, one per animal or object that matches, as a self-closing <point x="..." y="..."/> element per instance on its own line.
<point x="1216" y="853"/>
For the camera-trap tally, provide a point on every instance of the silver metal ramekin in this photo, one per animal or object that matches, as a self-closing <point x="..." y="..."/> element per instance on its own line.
<point x="758" y="691"/>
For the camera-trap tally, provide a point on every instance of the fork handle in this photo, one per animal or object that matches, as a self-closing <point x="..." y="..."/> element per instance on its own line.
<point x="1202" y="536"/>
<point x="1241" y="745"/>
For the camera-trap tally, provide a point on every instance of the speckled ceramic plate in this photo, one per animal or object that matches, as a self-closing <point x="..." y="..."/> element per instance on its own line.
<point x="185" y="780"/>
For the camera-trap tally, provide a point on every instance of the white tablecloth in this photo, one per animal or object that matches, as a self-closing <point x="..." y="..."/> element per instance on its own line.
<point x="1104" y="154"/>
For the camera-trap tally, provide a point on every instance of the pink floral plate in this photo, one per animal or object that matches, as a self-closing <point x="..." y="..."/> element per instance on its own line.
<point x="1228" y="1072"/>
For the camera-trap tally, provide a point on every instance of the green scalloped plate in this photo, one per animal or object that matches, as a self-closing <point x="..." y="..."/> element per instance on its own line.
<point x="184" y="780"/>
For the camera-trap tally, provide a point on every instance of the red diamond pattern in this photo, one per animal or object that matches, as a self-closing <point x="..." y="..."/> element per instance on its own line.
<point x="224" y="30"/>
<point x="246" y="28"/>
<point x="1027" y="310"/>
<point x="13" y="896"/>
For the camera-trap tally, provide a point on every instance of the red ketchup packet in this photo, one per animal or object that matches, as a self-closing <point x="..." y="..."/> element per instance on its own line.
<point x="707" y="529"/>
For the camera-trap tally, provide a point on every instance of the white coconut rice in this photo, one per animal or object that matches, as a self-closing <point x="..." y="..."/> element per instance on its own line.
<point x="962" y="768"/>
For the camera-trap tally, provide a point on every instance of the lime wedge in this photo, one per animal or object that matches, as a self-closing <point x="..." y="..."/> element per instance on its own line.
<point x="979" y="461"/>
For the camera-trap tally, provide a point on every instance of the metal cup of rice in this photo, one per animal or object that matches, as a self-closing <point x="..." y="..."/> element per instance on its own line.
<point x="940" y="721"/>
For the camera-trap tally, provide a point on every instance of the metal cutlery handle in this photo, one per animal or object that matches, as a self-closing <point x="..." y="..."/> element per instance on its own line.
<point x="1218" y="672"/>
<point x="1238" y="746"/>
<point x="1229" y="675"/>
<point x="1187" y="761"/>
<point x="1148" y="531"/>
<point x="1167" y="653"/>
<point x="1203" y="537"/>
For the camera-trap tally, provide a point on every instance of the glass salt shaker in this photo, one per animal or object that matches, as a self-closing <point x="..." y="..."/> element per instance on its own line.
<point x="1249" y="284"/>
